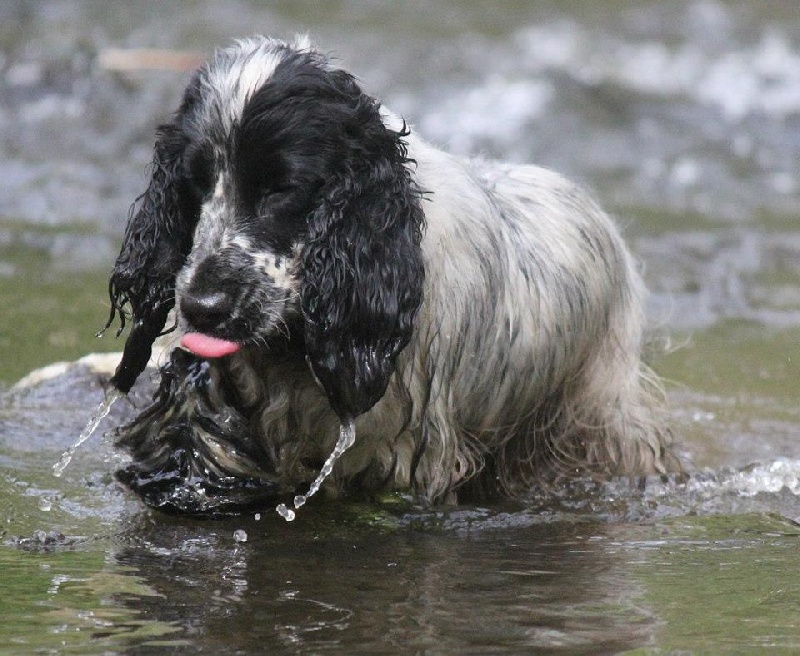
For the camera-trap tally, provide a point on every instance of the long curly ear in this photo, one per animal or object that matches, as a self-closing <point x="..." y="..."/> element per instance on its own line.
<point x="157" y="240"/>
<point x="363" y="268"/>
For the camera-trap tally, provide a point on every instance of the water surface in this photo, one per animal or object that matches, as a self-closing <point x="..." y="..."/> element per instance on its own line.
<point x="683" y="117"/>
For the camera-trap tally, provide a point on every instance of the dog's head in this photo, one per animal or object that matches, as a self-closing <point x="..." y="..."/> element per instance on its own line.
<point x="280" y="202"/>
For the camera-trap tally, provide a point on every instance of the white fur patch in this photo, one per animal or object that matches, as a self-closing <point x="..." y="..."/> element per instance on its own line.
<point x="238" y="241"/>
<point x="278" y="268"/>
<point x="237" y="72"/>
<point x="219" y="188"/>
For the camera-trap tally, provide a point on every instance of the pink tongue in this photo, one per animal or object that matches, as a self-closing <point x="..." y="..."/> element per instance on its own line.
<point x="208" y="347"/>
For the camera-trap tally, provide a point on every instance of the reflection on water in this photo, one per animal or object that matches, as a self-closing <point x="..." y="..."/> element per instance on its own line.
<point x="403" y="591"/>
<point x="685" y="119"/>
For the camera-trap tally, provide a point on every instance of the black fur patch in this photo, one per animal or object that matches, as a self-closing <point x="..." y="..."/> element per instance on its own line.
<point x="174" y="468"/>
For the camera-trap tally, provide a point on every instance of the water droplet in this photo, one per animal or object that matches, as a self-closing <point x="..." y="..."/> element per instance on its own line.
<point x="240" y="535"/>
<point x="257" y="517"/>
<point x="285" y="512"/>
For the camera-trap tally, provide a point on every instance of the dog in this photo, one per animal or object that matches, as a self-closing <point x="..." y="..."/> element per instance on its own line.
<point x="480" y="323"/>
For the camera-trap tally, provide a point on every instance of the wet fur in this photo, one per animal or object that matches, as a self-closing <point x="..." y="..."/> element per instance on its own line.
<point x="482" y="323"/>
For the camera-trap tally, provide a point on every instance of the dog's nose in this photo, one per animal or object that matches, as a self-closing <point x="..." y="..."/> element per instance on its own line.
<point x="206" y="311"/>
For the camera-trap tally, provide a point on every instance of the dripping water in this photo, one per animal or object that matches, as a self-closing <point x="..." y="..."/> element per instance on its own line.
<point x="347" y="437"/>
<point x="112" y="395"/>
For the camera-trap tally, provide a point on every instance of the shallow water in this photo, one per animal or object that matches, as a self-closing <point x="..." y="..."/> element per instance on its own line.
<point x="684" y="117"/>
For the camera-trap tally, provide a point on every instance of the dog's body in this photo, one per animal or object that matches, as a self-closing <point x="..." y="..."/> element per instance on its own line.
<point x="481" y="323"/>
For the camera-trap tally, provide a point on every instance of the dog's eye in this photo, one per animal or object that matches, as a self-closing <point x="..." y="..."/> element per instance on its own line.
<point x="270" y="198"/>
<point x="267" y="185"/>
<point x="200" y="171"/>
<point x="277" y="189"/>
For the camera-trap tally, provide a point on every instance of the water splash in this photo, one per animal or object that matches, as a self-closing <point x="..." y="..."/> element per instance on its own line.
<point x="347" y="437"/>
<point x="112" y="395"/>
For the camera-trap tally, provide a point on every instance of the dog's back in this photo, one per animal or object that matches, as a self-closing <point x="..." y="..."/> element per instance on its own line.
<point x="525" y="364"/>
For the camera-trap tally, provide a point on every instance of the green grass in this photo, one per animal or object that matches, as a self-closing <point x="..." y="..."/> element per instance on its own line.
<point x="48" y="314"/>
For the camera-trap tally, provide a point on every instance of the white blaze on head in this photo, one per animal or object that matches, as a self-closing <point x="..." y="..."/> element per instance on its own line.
<point x="210" y="227"/>
<point x="237" y="72"/>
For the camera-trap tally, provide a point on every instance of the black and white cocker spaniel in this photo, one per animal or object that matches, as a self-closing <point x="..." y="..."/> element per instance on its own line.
<point x="481" y="323"/>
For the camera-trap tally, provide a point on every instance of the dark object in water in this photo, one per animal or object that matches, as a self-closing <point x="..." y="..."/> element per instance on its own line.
<point x="194" y="453"/>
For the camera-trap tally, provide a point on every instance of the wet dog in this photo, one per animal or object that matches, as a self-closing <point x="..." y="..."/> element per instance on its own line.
<point x="481" y="323"/>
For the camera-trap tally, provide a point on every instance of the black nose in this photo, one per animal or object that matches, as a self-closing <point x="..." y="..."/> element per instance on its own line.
<point x="206" y="311"/>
